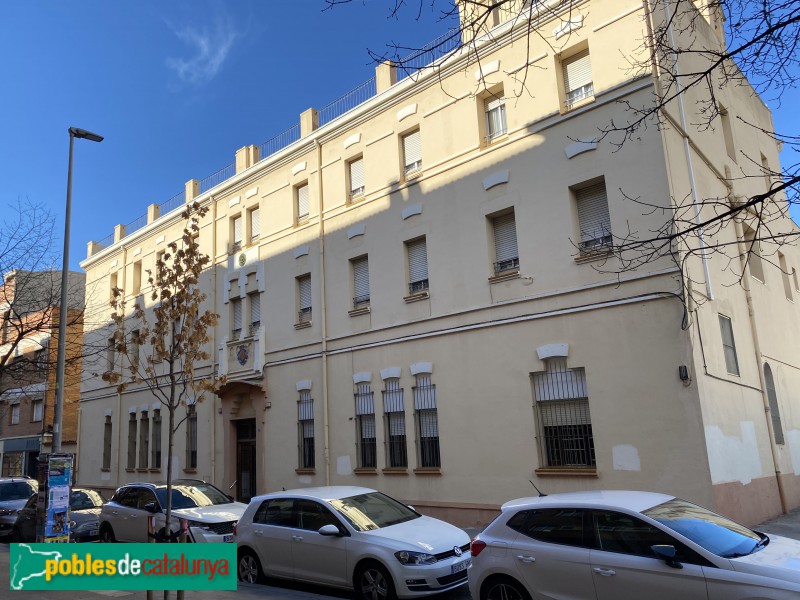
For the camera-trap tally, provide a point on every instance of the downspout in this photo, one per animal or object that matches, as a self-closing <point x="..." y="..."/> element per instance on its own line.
<point x="214" y="336"/>
<point x="119" y="394"/>
<point x="324" y="311"/>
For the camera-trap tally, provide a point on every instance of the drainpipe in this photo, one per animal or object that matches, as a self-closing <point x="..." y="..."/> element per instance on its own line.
<point x="214" y="336"/>
<point x="323" y="307"/>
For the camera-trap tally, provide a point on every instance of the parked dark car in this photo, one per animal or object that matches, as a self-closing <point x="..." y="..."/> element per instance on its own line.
<point x="84" y="515"/>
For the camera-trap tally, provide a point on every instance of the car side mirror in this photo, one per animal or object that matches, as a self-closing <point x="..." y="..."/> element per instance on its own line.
<point x="152" y="508"/>
<point x="330" y="530"/>
<point x="667" y="554"/>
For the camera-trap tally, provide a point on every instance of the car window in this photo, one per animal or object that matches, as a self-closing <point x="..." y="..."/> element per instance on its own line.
<point x="192" y="495"/>
<point x="144" y="496"/>
<point x="553" y="525"/>
<point x="373" y="510"/>
<point x="83" y="499"/>
<point x="16" y="490"/>
<point x="31" y="503"/>
<point x="277" y="511"/>
<point x="312" y="515"/>
<point x="126" y="497"/>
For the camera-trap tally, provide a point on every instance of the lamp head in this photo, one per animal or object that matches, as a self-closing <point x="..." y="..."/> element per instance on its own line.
<point x="86" y="135"/>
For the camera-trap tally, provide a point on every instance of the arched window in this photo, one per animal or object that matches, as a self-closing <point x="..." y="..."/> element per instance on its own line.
<point x="772" y="396"/>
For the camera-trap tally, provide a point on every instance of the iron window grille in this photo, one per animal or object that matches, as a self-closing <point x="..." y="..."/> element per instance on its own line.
<point x="107" y="443"/>
<point x="132" y="424"/>
<point x="191" y="437"/>
<point x="366" y="445"/>
<point x="156" y="440"/>
<point x="144" y="440"/>
<point x="360" y="301"/>
<point x="427" y="422"/>
<point x="508" y="264"/>
<point x="304" y="315"/>
<point x="305" y="419"/>
<point x="395" y="424"/>
<point x="418" y="286"/>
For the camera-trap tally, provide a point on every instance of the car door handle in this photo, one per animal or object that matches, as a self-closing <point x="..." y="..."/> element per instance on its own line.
<point x="114" y="512"/>
<point x="526" y="559"/>
<point x="257" y="532"/>
<point x="604" y="572"/>
<point x="297" y="538"/>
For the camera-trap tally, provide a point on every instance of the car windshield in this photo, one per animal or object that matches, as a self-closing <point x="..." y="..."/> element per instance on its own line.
<point x="374" y="510"/>
<point x="83" y="499"/>
<point x="16" y="490"/>
<point x="192" y="496"/>
<point x="713" y="532"/>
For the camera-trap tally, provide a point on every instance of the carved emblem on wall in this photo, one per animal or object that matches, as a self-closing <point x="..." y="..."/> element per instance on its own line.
<point x="242" y="354"/>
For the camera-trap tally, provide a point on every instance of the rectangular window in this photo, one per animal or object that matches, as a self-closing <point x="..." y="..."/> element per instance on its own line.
<point x="360" y="268"/>
<point x="159" y="266"/>
<point x="395" y="425"/>
<point x="427" y="422"/>
<point x="417" y="253"/>
<point x="506" y="255"/>
<point x="304" y="298"/>
<point x="111" y="354"/>
<point x="236" y="313"/>
<point x="752" y="254"/>
<point x="144" y="439"/>
<point x="112" y="285"/>
<point x="366" y="445"/>
<point x="191" y="437"/>
<point x="254" y="216"/>
<point x="301" y="202"/>
<point x="794" y="279"/>
<point x="237" y="232"/>
<point x="728" y="345"/>
<point x="564" y="422"/>
<point x="14" y="414"/>
<point x="37" y="413"/>
<point x="412" y="154"/>
<point x="787" y="286"/>
<point x="767" y="173"/>
<point x="577" y="71"/>
<point x="305" y="419"/>
<point x="495" y="118"/>
<point x="6" y="327"/>
<point x="255" y="312"/>
<point x="137" y="277"/>
<point x="594" y="220"/>
<point x="727" y="133"/>
<point x="356" y="176"/>
<point x="133" y="347"/>
<point x="155" y="440"/>
<point x="132" y="423"/>
<point x="107" y="443"/>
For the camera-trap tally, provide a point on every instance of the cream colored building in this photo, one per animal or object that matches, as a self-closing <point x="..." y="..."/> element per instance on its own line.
<point x="416" y="295"/>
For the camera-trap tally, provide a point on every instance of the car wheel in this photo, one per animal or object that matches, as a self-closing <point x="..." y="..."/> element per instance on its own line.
<point x="249" y="567"/>
<point x="107" y="534"/>
<point x="373" y="582"/>
<point x="503" y="588"/>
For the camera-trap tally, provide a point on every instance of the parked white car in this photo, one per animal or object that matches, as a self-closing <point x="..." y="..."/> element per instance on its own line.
<point x="352" y="538"/>
<point x="210" y="512"/>
<point x="621" y="545"/>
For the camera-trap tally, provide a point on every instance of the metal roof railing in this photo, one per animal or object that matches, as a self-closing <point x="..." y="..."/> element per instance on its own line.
<point x="347" y="102"/>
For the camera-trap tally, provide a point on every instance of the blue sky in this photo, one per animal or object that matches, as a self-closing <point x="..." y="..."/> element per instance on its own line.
<point x="175" y="87"/>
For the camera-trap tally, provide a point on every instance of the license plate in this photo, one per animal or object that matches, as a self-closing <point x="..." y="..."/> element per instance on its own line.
<point x="227" y="538"/>
<point x="460" y="566"/>
<point x="94" y="532"/>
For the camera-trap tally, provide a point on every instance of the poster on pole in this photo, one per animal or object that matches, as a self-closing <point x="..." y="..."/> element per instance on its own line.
<point x="59" y="480"/>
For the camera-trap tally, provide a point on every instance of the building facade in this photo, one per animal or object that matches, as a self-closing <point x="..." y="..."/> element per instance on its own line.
<point x="419" y="295"/>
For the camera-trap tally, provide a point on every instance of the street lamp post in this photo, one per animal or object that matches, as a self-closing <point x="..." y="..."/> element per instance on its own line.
<point x="74" y="132"/>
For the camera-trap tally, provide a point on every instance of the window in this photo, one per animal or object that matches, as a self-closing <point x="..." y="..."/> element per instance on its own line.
<point x="727" y="133"/>
<point x="112" y="285"/>
<point x="132" y="423"/>
<point x="111" y="355"/>
<point x="728" y="345"/>
<point x="191" y="437"/>
<point x="766" y="172"/>
<point x="794" y="279"/>
<point x="577" y="71"/>
<point x="144" y="439"/>
<point x="427" y="422"/>
<point x="356" y="176"/>
<point x="159" y="266"/>
<point x="155" y="440"/>
<point x="594" y="221"/>
<point x="752" y="254"/>
<point x="304" y="298"/>
<point x="133" y="348"/>
<point x="301" y="202"/>
<point x="495" y="108"/>
<point x="236" y="232"/>
<point x="565" y="425"/>
<point x="366" y="445"/>
<point x="305" y="419"/>
<point x="14" y="414"/>
<point x="42" y="358"/>
<point x="506" y="255"/>
<point x="255" y="312"/>
<point x="624" y="534"/>
<point x="412" y="154"/>
<point x="236" y="310"/>
<point x="417" y="253"/>
<point x="395" y="425"/>
<point x="137" y="277"/>
<point x="37" y="412"/>
<point x="254" y="216"/>
<point x="278" y="512"/>
<point x="787" y="286"/>
<point x="553" y="525"/>
<point x="107" y="443"/>
<point x="4" y="331"/>
<point x="312" y="515"/>
<point x="774" y="410"/>
<point x="360" y="268"/>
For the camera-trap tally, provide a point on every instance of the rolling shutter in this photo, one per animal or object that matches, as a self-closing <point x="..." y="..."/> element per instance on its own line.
<point x="361" y="278"/>
<point x="357" y="176"/>
<point x="412" y="150"/>
<point x="255" y="308"/>
<point x="302" y="201"/>
<point x="577" y="71"/>
<point x="593" y="217"/>
<point x="304" y="284"/>
<point x="505" y="238"/>
<point x="417" y="261"/>
<point x="255" y="223"/>
<point x="237" y="314"/>
<point x="237" y="230"/>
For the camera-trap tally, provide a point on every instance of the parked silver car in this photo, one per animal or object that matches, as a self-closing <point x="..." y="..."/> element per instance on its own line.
<point x="14" y="493"/>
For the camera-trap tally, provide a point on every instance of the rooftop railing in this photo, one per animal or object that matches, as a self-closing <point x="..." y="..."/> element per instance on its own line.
<point x="347" y="102"/>
<point x="279" y="142"/>
<point x="177" y="200"/>
<point x="215" y="179"/>
<point x="429" y="53"/>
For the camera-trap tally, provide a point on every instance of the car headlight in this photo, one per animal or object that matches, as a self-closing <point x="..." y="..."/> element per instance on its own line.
<point x="86" y="525"/>
<point x="4" y="512"/>
<point x="409" y="557"/>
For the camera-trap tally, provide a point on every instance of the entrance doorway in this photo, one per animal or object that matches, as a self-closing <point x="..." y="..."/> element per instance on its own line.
<point x="245" y="459"/>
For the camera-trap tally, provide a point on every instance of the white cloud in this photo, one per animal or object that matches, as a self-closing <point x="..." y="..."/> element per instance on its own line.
<point x="211" y="46"/>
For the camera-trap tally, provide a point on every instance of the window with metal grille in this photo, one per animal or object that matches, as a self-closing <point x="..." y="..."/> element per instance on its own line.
<point x="774" y="410"/>
<point x="144" y="439"/>
<point x="395" y="424"/>
<point x="577" y="72"/>
<point x="254" y="217"/>
<point x="564" y="423"/>
<point x="426" y="413"/>
<point x="237" y="232"/>
<point x="304" y="298"/>
<point x="412" y="154"/>
<point x="305" y="419"/>
<point x="360" y="267"/>
<point x="506" y="255"/>
<point x="236" y="312"/>
<point x="495" y="108"/>
<point x="302" y="202"/>
<point x="728" y="345"/>
<point x="132" y="423"/>
<point x="155" y="443"/>
<point x="107" y="426"/>
<point x="752" y="255"/>
<point x="356" y="176"/>
<point x="594" y="221"/>
<point x="191" y="437"/>
<point x="417" y="252"/>
<point x="366" y="444"/>
<point x="255" y="312"/>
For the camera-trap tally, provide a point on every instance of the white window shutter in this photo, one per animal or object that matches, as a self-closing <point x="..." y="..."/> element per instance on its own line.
<point x="255" y="223"/>
<point x="417" y="261"/>
<point x="302" y="201"/>
<point x="237" y="313"/>
<point x="577" y="71"/>
<point x="505" y="238"/>
<point x="412" y="150"/>
<point x="305" y="408"/>
<point x="593" y="217"/>
<point x="365" y="400"/>
<point x="361" y="277"/>
<point x="255" y="308"/>
<point x="304" y="284"/>
<point x="357" y="176"/>
<point x="237" y="230"/>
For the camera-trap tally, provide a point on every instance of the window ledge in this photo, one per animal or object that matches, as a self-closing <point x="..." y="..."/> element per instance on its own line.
<point x="302" y="325"/>
<point x="105" y="470"/>
<point x="593" y="255"/>
<point x="142" y="470"/>
<point x="190" y="470"/>
<point x="154" y="470"/>
<point x="130" y="470"/>
<point x="578" y="104"/>
<point x="362" y="310"/>
<point x="417" y="297"/>
<point x="365" y="471"/>
<point x="395" y="471"/>
<point x="558" y="472"/>
<point x="428" y="471"/>
<point x="504" y="276"/>
<point x="306" y="471"/>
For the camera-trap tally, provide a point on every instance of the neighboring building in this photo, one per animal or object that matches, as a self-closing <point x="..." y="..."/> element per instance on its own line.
<point x="417" y="296"/>
<point x="29" y="317"/>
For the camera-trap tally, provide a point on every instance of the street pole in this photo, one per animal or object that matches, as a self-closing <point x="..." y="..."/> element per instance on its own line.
<point x="74" y="132"/>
